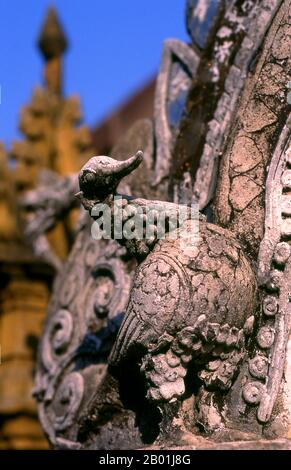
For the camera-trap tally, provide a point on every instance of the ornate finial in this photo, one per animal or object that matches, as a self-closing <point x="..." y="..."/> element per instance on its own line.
<point x="52" y="43"/>
<point x="52" y="40"/>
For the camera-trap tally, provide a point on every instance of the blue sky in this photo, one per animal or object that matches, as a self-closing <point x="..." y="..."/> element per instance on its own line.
<point x="115" y="47"/>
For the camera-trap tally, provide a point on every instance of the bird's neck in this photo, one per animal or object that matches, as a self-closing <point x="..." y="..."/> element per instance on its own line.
<point x="138" y="223"/>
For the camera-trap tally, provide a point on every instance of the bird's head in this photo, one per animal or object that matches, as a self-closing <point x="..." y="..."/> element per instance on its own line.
<point x="101" y="175"/>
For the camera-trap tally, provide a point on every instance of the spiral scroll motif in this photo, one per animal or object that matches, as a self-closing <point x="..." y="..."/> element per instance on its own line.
<point x="67" y="401"/>
<point x="57" y="337"/>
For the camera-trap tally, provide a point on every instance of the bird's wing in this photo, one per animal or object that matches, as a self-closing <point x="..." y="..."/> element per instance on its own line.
<point x="157" y="303"/>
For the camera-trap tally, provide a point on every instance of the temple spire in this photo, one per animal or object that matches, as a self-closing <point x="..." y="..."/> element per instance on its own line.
<point x="53" y="43"/>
